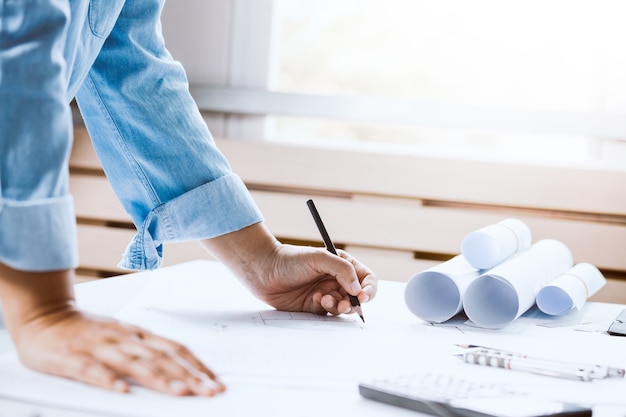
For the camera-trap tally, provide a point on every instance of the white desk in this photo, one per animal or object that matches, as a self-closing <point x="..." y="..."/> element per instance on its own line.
<point x="282" y="364"/>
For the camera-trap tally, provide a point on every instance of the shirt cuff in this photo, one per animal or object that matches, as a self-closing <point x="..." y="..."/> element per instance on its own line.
<point x="38" y="235"/>
<point x="212" y="209"/>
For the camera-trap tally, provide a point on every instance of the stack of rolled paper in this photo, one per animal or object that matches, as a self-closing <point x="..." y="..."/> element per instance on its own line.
<point x="499" y="276"/>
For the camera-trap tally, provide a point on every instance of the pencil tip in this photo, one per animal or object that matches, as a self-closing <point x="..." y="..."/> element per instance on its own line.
<point x="466" y="346"/>
<point x="357" y="309"/>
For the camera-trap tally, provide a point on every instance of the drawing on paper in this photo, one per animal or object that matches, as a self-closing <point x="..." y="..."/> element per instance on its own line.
<point x="307" y="321"/>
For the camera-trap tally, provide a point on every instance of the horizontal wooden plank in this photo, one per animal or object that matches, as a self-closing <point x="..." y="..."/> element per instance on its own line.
<point x="381" y="172"/>
<point x="83" y="156"/>
<point x="613" y="292"/>
<point x="405" y="225"/>
<point x="101" y="249"/>
<point x="390" y="265"/>
<point x="80" y="278"/>
<point x="94" y="199"/>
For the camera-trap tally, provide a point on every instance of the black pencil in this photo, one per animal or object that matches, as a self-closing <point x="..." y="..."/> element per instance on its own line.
<point x="331" y="248"/>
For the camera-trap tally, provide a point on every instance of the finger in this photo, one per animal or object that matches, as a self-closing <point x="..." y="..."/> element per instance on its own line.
<point x="341" y="268"/>
<point x="345" y="307"/>
<point x="89" y="370"/>
<point x="336" y="304"/>
<point x="314" y="305"/>
<point x="369" y="291"/>
<point x="201" y="379"/>
<point x="154" y="367"/>
<point x="154" y="347"/>
<point x="178" y="350"/>
<point x="157" y="377"/>
<point x="143" y="368"/>
<point x="369" y="286"/>
<point x="201" y="384"/>
<point x="368" y="280"/>
<point x="329" y="304"/>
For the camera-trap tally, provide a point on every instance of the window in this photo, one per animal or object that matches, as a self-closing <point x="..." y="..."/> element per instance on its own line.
<point x="525" y="60"/>
<point x="538" y="80"/>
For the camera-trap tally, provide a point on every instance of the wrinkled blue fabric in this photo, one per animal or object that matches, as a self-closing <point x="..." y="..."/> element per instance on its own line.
<point x="154" y="146"/>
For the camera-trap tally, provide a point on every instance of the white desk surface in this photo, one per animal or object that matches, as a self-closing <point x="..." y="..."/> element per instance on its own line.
<point x="283" y="364"/>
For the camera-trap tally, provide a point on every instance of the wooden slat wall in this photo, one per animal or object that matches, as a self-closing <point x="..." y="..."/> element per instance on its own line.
<point x="397" y="213"/>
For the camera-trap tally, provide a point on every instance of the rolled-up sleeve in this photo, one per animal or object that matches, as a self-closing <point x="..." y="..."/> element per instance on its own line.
<point x="210" y="210"/>
<point x="37" y="221"/>
<point x="38" y="235"/>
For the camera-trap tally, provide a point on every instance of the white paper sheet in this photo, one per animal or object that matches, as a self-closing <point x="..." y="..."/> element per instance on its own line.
<point x="280" y="364"/>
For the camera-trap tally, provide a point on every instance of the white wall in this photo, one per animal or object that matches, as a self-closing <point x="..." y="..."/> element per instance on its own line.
<point x="197" y="33"/>
<point x="223" y="42"/>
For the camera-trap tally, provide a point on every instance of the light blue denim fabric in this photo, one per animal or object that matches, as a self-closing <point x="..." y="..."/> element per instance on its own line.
<point x="37" y="225"/>
<point x="154" y="146"/>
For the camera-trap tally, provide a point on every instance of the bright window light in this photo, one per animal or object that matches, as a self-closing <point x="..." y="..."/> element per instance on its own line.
<point x="554" y="55"/>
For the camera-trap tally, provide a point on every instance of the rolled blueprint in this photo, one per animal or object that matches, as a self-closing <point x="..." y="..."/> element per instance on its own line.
<point x="436" y="295"/>
<point x="570" y="289"/>
<point x="505" y="292"/>
<point x="487" y="247"/>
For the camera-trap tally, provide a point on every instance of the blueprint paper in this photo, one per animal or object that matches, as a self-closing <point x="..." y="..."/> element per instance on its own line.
<point x="487" y="247"/>
<point x="436" y="295"/>
<point x="570" y="290"/>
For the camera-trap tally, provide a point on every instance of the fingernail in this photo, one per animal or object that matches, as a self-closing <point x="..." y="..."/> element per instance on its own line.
<point x="178" y="386"/>
<point x="207" y="388"/>
<point x="120" y="386"/>
<point x="347" y="310"/>
<point x="213" y="386"/>
<point x="356" y="287"/>
<point x="366" y="298"/>
<point x="213" y="383"/>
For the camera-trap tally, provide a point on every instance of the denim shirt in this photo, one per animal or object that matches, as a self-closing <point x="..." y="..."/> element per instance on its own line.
<point x="153" y="144"/>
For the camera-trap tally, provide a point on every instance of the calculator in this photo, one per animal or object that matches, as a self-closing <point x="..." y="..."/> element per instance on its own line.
<point x="450" y="395"/>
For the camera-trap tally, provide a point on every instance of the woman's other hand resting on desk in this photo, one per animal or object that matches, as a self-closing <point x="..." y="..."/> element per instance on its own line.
<point x="52" y="336"/>
<point x="293" y="278"/>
